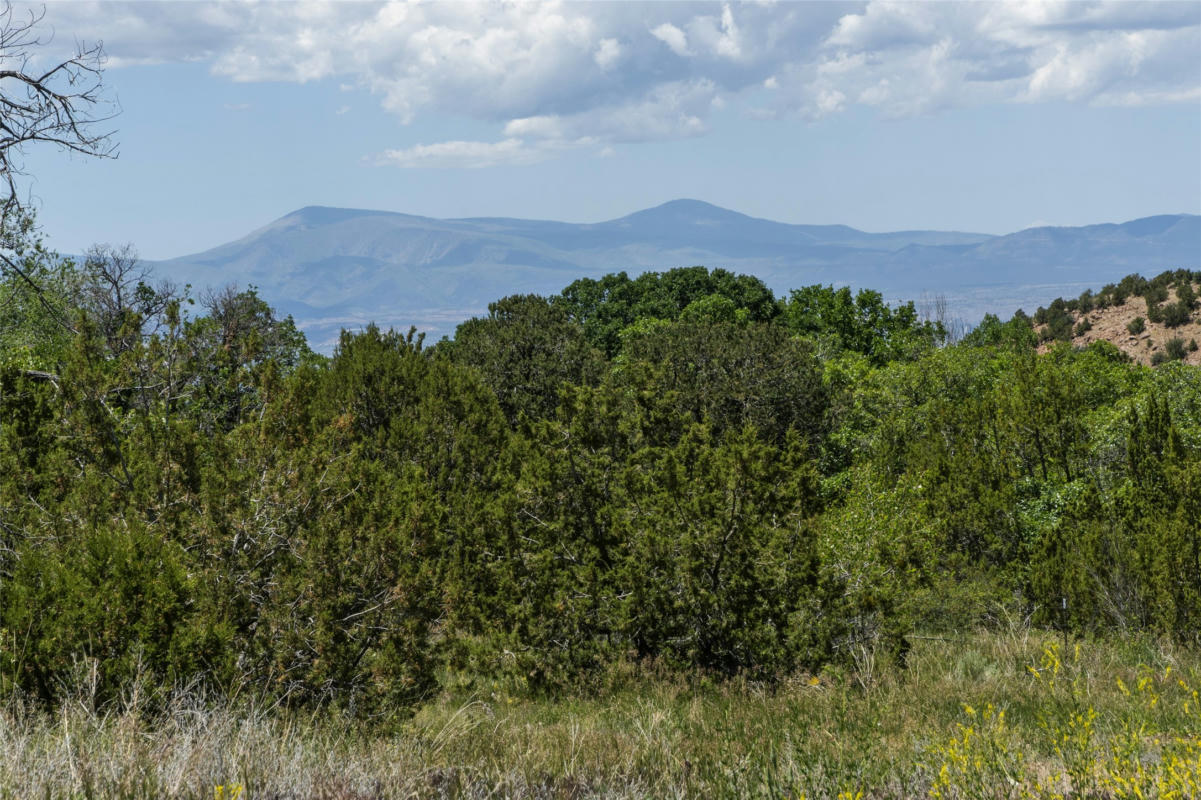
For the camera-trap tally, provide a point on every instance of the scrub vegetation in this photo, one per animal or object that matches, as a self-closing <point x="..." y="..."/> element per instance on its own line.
<point x="659" y="535"/>
<point x="663" y="536"/>
<point x="1151" y="321"/>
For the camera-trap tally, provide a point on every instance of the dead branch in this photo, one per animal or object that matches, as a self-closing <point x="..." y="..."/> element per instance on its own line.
<point x="62" y="105"/>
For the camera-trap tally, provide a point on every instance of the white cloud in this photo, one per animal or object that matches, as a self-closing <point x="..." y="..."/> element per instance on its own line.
<point x="830" y="100"/>
<point x="716" y="35"/>
<point x="913" y="58"/>
<point x="671" y="111"/>
<point x="541" y="127"/>
<point x="475" y="155"/>
<point x="673" y="37"/>
<point x="608" y="53"/>
<point x="625" y="72"/>
<point x="462" y="154"/>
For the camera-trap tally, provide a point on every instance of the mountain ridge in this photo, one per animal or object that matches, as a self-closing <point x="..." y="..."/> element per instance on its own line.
<point x="333" y="267"/>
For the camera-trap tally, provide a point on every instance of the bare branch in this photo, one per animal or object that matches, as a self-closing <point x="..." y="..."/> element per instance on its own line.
<point x="62" y="105"/>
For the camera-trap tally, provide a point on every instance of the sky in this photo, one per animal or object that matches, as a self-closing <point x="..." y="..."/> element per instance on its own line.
<point x="987" y="117"/>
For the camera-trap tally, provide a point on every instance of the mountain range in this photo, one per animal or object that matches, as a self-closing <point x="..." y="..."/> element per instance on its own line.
<point x="333" y="267"/>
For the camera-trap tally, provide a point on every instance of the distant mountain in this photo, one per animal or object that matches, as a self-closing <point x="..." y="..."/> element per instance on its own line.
<point x="333" y="267"/>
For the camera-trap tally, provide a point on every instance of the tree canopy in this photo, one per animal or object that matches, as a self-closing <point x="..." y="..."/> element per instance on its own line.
<point x="678" y="469"/>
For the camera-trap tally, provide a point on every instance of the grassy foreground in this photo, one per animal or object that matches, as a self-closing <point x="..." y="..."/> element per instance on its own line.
<point x="989" y="715"/>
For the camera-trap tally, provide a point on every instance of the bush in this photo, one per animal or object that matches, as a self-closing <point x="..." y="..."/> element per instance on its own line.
<point x="1130" y="285"/>
<point x="1158" y="357"/>
<point x="1176" y="314"/>
<point x="1192" y="346"/>
<point x="1175" y="349"/>
<point x="1086" y="301"/>
<point x="1059" y="322"/>
<point x="1109" y="296"/>
<point x="1186" y="295"/>
<point x="118" y="596"/>
<point x="1156" y="293"/>
<point x="1084" y="327"/>
<point x="1136" y="326"/>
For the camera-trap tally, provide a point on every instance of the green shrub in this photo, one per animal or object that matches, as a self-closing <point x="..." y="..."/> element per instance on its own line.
<point x="1134" y="284"/>
<point x="1156" y="293"/>
<point x="1059" y="322"/>
<point x="118" y="596"/>
<point x="1186" y="295"/>
<point x="1174" y="347"/>
<point x="1176" y="314"/>
<point x="1158" y="357"/>
<point x="1085" y="325"/>
<point x="1136" y="326"/>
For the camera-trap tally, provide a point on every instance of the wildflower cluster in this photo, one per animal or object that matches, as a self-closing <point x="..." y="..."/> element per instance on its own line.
<point x="982" y="760"/>
<point x="1149" y="749"/>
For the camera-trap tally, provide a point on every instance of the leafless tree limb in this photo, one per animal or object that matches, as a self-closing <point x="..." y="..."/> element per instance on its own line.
<point x="61" y="105"/>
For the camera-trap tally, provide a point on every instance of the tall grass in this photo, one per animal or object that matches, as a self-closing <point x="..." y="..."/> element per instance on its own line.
<point x="1001" y="714"/>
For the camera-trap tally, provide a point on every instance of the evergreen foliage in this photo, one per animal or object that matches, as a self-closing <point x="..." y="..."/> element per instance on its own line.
<point x="676" y="468"/>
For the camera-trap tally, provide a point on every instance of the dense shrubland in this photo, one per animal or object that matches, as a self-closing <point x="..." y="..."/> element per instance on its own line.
<point x="678" y="470"/>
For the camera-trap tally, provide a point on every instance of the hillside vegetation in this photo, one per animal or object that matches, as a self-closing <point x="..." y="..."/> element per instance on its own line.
<point x="1151" y="321"/>
<point x="677" y="475"/>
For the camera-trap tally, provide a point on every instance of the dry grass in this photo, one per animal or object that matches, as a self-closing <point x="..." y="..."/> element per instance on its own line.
<point x="816" y="736"/>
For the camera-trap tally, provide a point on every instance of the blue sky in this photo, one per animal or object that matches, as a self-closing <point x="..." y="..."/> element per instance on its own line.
<point x="968" y="116"/>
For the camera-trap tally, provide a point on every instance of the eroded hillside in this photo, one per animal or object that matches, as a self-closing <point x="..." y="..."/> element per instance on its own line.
<point x="1152" y="321"/>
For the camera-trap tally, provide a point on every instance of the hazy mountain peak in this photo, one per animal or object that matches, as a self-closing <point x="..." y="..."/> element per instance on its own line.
<point x="1162" y="223"/>
<point x="683" y="210"/>
<point x="687" y="205"/>
<point x="344" y="267"/>
<point x="328" y="215"/>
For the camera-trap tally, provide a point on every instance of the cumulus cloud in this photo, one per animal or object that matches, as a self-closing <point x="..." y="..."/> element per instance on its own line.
<point x="671" y="111"/>
<point x="673" y="37"/>
<point x="608" y="53"/>
<point x="553" y="74"/>
<point x="914" y="58"/>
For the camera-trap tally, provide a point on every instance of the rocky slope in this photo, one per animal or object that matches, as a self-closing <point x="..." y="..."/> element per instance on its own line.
<point x="1146" y="343"/>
